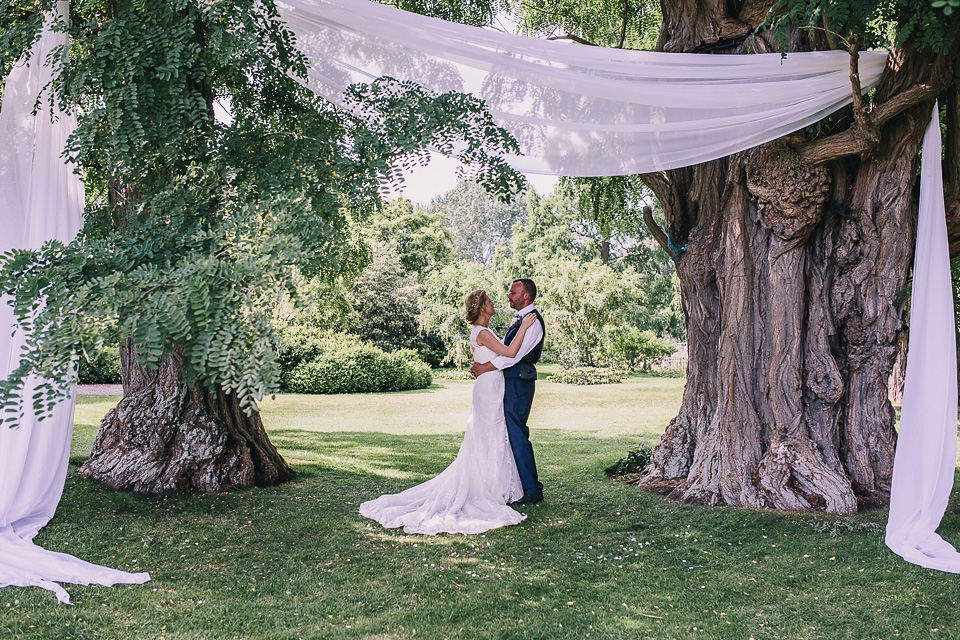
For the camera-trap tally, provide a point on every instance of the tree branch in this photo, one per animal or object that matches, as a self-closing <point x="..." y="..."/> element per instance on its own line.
<point x="868" y="128"/>
<point x="660" y="185"/>
<point x="831" y="36"/>
<point x="857" y="138"/>
<point x="624" y="17"/>
<point x="574" y="38"/>
<point x="655" y="230"/>
<point x="854" y="140"/>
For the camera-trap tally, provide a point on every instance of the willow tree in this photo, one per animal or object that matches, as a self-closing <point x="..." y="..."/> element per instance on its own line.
<point x="797" y="253"/>
<point x="194" y="222"/>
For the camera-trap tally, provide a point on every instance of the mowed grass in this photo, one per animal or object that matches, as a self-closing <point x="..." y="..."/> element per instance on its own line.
<point x="598" y="559"/>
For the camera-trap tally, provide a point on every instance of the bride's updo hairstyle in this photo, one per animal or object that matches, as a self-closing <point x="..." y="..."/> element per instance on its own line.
<point x="474" y="303"/>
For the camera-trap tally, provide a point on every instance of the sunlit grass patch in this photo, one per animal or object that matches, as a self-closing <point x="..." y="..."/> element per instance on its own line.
<point x="597" y="559"/>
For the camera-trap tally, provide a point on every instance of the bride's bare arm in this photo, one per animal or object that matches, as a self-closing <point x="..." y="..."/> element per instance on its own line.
<point x="487" y="339"/>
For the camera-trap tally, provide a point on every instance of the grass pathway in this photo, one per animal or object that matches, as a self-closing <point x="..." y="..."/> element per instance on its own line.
<point x="596" y="560"/>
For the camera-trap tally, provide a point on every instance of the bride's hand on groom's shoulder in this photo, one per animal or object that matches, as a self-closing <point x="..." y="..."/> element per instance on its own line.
<point x="528" y="320"/>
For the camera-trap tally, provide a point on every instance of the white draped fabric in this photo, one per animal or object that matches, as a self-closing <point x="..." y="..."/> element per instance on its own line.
<point x="40" y="199"/>
<point x="576" y="110"/>
<point x="583" y="111"/>
<point x="927" y="447"/>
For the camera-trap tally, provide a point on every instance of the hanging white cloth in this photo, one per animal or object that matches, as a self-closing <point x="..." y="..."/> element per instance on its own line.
<point x="923" y="470"/>
<point x="582" y="111"/>
<point x="41" y="199"/>
<point x="578" y="110"/>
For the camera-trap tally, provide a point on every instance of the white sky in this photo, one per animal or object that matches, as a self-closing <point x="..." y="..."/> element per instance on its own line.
<point x="423" y="184"/>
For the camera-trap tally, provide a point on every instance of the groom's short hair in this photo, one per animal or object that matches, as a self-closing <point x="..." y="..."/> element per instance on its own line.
<point x="529" y="287"/>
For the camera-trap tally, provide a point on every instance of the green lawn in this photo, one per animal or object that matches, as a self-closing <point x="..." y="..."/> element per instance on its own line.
<point x="596" y="560"/>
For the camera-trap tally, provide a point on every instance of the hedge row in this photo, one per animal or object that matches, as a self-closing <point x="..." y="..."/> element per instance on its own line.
<point x="360" y="369"/>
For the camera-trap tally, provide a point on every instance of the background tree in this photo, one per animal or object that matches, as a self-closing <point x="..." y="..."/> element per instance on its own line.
<point x="609" y="210"/>
<point x="442" y="311"/>
<point x="385" y="302"/>
<point x="416" y="235"/>
<point x="478" y="223"/>
<point x="203" y="221"/>
<point x="795" y="254"/>
<point x="582" y="301"/>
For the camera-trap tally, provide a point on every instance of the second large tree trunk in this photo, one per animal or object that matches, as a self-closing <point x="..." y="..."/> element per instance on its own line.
<point x="792" y="288"/>
<point x="167" y="437"/>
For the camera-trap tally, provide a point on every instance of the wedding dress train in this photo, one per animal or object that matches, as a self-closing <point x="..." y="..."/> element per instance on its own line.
<point x="471" y="495"/>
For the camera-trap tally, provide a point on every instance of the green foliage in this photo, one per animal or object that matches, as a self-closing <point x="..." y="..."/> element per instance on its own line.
<point x="416" y="235"/>
<point x="478" y="13"/>
<point x="477" y="222"/>
<point x="633" y="24"/>
<point x="638" y="350"/>
<point x="587" y="375"/>
<point x="352" y="368"/>
<point x="582" y="301"/>
<point x="385" y="303"/>
<point x="633" y="463"/>
<point x="100" y="367"/>
<point x="318" y="302"/>
<point x="879" y="23"/>
<point x="547" y="232"/>
<point x="556" y="233"/>
<point x="442" y="311"/>
<point x="609" y="209"/>
<point x="199" y="226"/>
<point x="299" y="344"/>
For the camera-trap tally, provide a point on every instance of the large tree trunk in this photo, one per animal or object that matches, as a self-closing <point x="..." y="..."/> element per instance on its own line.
<point x="790" y="287"/>
<point x="167" y="437"/>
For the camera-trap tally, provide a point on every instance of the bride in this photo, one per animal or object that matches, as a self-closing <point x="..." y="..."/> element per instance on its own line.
<point x="471" y="495"/>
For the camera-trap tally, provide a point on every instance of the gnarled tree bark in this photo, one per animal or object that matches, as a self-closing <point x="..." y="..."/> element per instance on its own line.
<point x="167" y="437"/>
<point x="796" y="253"/>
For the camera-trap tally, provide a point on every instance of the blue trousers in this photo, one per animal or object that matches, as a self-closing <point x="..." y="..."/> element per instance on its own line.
<point x="517" y="401"/>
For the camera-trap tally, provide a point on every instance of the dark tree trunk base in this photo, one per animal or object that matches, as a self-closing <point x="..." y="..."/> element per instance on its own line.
<point x="165" y="438"/>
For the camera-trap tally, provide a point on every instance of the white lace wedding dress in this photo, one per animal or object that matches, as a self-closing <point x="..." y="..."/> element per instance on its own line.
<point x="471" y="495"/>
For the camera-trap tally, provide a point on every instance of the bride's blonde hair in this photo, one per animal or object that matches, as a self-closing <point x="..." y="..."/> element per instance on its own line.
<point x="474" y="303"/>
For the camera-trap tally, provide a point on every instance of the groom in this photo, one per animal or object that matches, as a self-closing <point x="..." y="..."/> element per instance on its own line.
<point x="520" y="376"/>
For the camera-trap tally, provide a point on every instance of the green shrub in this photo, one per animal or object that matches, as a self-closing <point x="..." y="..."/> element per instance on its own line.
<point x="359" y="368"/>
<point x="103" y="367"/>
<point x="300" y="344"/>
<point x="638" y="350"/>
<point x="587" y="375"/>
<point x="634" y="462"/>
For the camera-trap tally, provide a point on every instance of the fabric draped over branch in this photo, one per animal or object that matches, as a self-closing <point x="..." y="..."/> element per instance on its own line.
<point x="41" y="199"/>
<point x="579" y="110"/>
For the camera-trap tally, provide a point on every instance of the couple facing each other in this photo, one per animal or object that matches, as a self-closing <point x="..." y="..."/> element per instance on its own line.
<point x="495" y="467"/>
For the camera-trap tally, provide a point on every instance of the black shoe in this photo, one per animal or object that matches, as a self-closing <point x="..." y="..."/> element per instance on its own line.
<point x="528" y="499"/>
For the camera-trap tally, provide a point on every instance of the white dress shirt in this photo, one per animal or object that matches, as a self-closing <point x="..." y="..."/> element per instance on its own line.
<point x="530" y="339"/>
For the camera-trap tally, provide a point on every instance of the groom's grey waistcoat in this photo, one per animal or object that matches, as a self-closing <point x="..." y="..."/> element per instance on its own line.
<point x="525" y="369"/>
